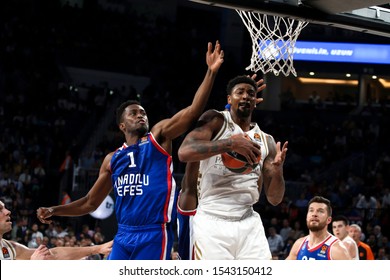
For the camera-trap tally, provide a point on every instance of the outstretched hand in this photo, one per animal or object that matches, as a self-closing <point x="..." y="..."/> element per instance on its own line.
<point x="42" y="253"/>
<point x="106" y="248"/>
<point x="43" y="214"/>
<point x="214" y="58"/>
<point x="280" y="154"/>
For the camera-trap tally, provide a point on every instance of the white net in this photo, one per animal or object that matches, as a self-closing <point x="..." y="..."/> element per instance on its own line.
<point x="273" y="41"/>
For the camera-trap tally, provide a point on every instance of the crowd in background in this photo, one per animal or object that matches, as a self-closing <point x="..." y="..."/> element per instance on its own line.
<point x="339" y="155"/>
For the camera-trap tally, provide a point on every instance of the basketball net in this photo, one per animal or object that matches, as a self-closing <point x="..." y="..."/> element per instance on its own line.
<point x="273" y="41"/>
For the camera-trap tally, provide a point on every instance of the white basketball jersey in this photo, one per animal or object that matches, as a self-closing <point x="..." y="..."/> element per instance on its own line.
<point x="223" y="193"/>
<point x="349" y="239"/>
<point x="7" y="250"/>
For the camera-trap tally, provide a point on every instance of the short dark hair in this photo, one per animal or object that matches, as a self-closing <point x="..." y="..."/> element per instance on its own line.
<point x="121" y="109"/>
<point x="242" y="79"/>
<point x="321" y="199"/>
<point x="341" y="218"/>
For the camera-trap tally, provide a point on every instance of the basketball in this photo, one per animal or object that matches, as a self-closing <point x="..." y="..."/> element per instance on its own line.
<point x="237" y="163"/>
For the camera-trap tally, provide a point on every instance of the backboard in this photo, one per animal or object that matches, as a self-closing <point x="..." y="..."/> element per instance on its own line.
<point x="368" y="16"/>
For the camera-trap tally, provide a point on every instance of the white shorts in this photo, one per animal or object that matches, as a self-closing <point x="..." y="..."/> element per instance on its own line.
<point x="220" y="239"/>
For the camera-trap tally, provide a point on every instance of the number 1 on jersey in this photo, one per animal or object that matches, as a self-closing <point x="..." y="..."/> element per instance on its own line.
<point x="131" y="156"/>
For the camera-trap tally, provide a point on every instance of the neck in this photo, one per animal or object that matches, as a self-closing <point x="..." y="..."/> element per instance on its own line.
<point x="132" y="139"/>
<point x="318" y="236"/>
<point x="244" y="123"/>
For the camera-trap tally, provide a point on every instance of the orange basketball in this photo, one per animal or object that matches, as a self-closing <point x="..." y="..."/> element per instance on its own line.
<point x="237" y="163"/>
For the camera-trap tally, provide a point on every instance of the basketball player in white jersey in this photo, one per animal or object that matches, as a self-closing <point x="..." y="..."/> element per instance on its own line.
<point x="12" y="250"/>
<point x="225" y="225"/>
<point x="340" y="227"/>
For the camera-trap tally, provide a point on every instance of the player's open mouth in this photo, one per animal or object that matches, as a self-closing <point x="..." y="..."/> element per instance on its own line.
<point x="244" y="105"/>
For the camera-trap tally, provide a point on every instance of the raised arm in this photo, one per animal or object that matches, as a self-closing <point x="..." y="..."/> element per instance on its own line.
<point x="274" y="185"/>
<point x="86" y="204"/>
<point x="181" y="121"/>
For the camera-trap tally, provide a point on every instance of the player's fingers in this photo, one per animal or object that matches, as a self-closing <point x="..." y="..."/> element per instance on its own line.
<point x="261" y="88"/>
<point x="259" y="100"/>
<point x="209" y="48"/>
<point x="259" y="82"/>
<point x="285" y="145"/>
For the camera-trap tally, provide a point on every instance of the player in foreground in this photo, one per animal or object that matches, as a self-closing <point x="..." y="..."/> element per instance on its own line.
<point x="225" y="225"/>
<point x="319" y="244"/>
<point x="141" y="174"/>
<point x="12" y="250"/>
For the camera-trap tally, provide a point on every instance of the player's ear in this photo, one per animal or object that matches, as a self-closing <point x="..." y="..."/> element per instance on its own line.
<point x="229" y="99"/>
<point x="122" y="126"/>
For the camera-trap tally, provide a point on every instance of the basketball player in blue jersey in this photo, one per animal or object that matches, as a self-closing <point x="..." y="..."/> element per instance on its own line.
<point x="225" y="225"/>
<point x="319" y="244"/>
<point x="141" y="174"/>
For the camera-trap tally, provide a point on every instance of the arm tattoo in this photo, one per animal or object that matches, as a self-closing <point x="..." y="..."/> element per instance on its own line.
<point x="212" y="147"/>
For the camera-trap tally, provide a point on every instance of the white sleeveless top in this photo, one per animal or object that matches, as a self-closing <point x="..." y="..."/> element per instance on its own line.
<point x="355" y="246"/>
<point x="223" y="193"/>
<point x="7" y="250"/>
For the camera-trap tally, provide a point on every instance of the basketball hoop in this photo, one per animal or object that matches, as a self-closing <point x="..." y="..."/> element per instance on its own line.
<point x="273" y="41"/>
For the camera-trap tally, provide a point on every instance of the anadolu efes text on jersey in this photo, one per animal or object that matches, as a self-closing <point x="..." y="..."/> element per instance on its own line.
<point x="131" y="184"/>
<point x="143" y="183"/>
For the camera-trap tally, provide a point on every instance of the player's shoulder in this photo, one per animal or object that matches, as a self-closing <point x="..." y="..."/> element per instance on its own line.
<point x="211" y="114"/>
<point x="300" y="240"/>
<point x="212" y="119"/>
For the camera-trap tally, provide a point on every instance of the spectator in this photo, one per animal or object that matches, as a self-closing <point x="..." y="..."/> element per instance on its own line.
<point x="386" y="198"/>
<point x="368" y="205"/>
<point x="285" y="230"/>
<point x="275" y="241"/>
<point x="365" y="252"/>
<point x="382" y="254"/>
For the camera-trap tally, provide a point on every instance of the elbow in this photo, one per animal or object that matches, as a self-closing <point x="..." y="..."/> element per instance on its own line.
<point x="183" y="155"/>
<point x="275" y="201"/>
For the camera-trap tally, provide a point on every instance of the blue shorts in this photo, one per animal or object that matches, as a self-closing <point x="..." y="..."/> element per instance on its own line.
<point x="151" y="242"/>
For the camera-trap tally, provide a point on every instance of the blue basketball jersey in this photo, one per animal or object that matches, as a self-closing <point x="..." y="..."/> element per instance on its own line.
<point x="145" y="190"/>
<point x="319" y="252"/>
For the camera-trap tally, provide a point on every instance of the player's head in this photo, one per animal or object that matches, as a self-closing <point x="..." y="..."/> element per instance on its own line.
<point x="131" y="117"/>
<point x="355" y="232"/>
<point x="340" y="226"/>
<point x="241" y="95"/>
<point x="319" y="213"/>
<point x="5" y="219"/>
